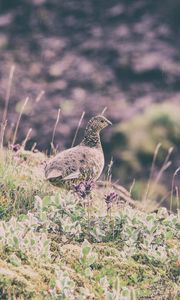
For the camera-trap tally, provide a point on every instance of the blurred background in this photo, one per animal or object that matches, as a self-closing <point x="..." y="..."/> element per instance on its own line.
<point x="80" y="55"/>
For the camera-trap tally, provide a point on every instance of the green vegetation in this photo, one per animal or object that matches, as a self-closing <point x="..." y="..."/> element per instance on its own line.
<point x="53" y="245"/>
<point x="134" y="143"/>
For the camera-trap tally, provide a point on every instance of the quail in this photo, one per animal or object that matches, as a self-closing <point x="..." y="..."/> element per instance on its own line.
<point x="80" y="163"/>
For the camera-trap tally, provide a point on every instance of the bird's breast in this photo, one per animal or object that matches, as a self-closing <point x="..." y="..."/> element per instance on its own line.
<point x="92" y="161"/>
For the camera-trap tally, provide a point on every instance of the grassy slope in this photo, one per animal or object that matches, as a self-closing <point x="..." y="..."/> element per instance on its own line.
<point x="54" y="248"/>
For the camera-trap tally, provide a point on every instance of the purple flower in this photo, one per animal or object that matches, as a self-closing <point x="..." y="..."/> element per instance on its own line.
<point x="15" y="147"/>
<point x="110" y="198"/>
<point x="83" y="189"/>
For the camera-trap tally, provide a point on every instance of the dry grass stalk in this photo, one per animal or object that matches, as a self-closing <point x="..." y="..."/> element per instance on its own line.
<point x="54" y="130"/>
<point x="172" y="187"/>
<point x="19" y="119"/>
<point x="162" y="170"/>
<point x="109" y="170"/>
<point x="177" y="199"/>
<point x="7" y="98"/>
<point x="153" y="205"/>
<point x="77" y="129"/>
<point x="104" y="110"/>
<point x="38" y="98"/>
<point x="33" y="147"/>
<point x="10" y="79"/>
<point x="151" y="172"/>
<point x="165" y="165"/>
<point x="3" y="128"/>
<point x="35" y="103"/>
<point x="26" y="138"/>
<point x="151" y="187"/>
<point x="132" y="186"/>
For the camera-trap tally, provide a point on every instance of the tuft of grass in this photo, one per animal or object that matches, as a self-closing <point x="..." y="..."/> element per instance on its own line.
<point x="21" y="178"/>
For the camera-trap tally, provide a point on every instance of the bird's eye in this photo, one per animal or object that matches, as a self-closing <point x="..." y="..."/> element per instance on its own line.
<point x="102" y="121"/>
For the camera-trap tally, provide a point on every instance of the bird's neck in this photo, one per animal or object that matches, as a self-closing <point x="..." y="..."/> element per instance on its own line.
<point x="91" y="138"/>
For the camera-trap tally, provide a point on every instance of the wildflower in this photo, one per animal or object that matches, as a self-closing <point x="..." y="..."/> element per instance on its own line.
<point x="83" y="189"/>
<point x="110" y="198"/>
<point x="15" y="147"/>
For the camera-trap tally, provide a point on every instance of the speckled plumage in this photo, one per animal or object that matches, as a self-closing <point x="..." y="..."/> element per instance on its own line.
<point x="82" y="162"/>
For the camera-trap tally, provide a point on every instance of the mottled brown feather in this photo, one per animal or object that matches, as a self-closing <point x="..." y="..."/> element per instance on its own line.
<point x="82" y="162"/>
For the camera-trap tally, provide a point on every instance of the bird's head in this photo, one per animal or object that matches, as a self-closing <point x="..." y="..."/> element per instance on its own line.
<point x="97" y="123"/>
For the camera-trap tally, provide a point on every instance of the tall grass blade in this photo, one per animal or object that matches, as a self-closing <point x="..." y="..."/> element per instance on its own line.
<point x="104" y="110"/>
<point x="19" y="119"/>
<point x="10" y="80"/>
<point x="26" y="138"/>
<point x="151" y="172"/>
<point x="7" y="98"/>
<point x="172" y="187"/>
<point x="77" y="129"/>
<point x="39" y="97"/>
<point x="55" y="127"/>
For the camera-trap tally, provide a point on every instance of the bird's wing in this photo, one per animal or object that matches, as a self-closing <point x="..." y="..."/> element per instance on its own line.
<point x="73" y="175"/>
<point x="67" y="164"/>
<point x="54" y="173"/>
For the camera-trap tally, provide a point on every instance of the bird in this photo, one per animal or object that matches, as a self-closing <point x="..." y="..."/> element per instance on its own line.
<point x="84" y="162"/>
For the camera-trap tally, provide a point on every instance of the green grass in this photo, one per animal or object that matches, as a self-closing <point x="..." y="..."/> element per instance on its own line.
<point x="52" y="246"/>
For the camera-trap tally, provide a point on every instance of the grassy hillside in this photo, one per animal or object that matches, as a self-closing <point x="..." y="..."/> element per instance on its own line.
<point x="56" y="245"/>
